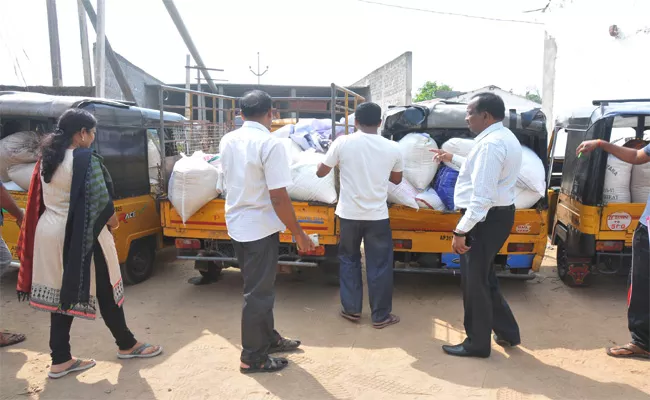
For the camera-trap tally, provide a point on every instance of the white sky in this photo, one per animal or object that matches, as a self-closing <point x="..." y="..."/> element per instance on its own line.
<point x="303" y="41"/>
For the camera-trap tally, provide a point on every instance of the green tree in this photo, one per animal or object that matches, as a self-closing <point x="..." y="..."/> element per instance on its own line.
<point x="429" y="89"/>
<point x="534" y="96"/>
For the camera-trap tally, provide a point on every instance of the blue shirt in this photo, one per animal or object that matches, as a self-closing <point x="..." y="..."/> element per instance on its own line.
<point x="646" y="213"/>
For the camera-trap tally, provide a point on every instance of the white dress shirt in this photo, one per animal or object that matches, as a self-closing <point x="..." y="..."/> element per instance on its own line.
<point x="254" y="162"/>
<point x="488" y="175"/>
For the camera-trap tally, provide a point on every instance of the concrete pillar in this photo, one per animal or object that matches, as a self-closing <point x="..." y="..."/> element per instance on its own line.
<point x="548" y="81"/>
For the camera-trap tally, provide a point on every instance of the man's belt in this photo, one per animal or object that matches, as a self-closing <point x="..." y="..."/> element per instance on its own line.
<point x="497" y="208"/>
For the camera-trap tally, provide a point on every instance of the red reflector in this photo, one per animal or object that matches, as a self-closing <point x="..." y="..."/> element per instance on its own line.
<point x="192" y="244"/>
<point x="521" y="247"/>
<point x="405" y="244"/>
<point x="609" y="245"/>
<point x="318" y="251"/>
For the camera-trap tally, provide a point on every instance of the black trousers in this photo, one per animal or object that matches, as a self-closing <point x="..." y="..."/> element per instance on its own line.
<point x="486" y="309"/>
<point x="638" y="311"/>
<point x="112" y="314"/>
<point x="258" y="261"/>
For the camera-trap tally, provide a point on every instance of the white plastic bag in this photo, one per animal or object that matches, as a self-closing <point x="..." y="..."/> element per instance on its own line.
<point x="21" y="174"/>
<point x="306" y="185"/>
<point x="525" y="198"/>
<point x="532" y="175"/>
<point x="429" y="199"/>
<point x="640" y="183"/>
<point x="457" y="146"/>
<point x="617" y="181"/>
<point x="192" y="185"/>
<point x="419" y="167"/>
<point x="18" y="148"/>
<point x="403" y="194"/>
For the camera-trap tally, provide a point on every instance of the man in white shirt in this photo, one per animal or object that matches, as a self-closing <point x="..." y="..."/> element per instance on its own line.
<point x="367" y="162"/>
<point x="485" y="195"/>
<point x="258" y="207"/>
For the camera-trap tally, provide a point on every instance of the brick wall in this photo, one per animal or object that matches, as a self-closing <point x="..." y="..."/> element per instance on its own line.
<point x="392" y="83"/>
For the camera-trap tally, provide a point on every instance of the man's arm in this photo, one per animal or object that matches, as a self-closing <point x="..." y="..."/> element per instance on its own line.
<point x="443" y="156"/>
<point x="395" y="177"/>
<point x="323" y="170"/>
<point x="631" y="156"/>
<point x="8" y="203"/>
<point x="331" y="159"/>
<point x="397" y="171"/>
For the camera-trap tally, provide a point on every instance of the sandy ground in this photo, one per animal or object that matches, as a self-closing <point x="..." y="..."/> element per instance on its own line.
<point x="563" y="330"/>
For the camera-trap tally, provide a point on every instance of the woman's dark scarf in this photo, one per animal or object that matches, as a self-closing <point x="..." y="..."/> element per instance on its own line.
<point x="91" y="207"/>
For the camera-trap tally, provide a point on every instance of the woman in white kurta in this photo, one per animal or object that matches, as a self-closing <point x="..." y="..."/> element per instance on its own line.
<point x="75" y="264"/>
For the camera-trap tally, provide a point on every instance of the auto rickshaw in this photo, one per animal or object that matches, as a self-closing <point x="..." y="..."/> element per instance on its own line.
<point x="122" y="139"/>
<point x="593" y="236"/>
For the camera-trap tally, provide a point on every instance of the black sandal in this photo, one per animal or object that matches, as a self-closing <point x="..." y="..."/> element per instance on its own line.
<point x="350" y="316"/>
<point x="391" y="320"/>
<point x="284" y="345"/>
<point x="272" y="364"/>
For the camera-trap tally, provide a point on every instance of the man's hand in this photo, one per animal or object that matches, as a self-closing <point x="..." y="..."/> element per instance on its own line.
<point x="458" y="245"/>
<point x="587" y="146"/>
<point x="304" y="242"/>
<point x="442" y="156"/>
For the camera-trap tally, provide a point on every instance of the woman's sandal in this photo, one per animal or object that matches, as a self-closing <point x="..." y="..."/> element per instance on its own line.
<point x="391" y="320"/>
<point x="271" y="364"/>
<point x="137" y="353"/>
<point x="284" y="345"/>
<point x="75" y="367"/>
<point x="349" y="316"/>
<point x="629" y="350"/>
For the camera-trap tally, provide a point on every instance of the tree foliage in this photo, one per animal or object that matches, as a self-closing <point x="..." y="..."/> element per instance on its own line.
<point x="429" y="89"/>
<point x="534" y="96"/>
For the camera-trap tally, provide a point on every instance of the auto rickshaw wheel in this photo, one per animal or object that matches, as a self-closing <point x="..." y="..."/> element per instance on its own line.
<point x="139" y="265"/>
<point x="208" y="269"/>
<point x="562" y="258"/>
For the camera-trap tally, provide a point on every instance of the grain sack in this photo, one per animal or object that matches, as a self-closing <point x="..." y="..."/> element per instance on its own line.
<point x="403" y="194"/>
<point x="419" y="167"/>
<point x="429" y="199"/>
<point x="445" y="186"/>
<point x="617" y="181"/>
<point x="18" y="148"/>
<point x="525" y="198"/>
<point x="21" y="174"/>
<point x="457" y="146"/>
<point x="192" y="185"/>
<point x="284" y="132"/>
<point x="532" y="175"/>
<point x="306" y="185"/>
<point x="292" y="149"/>
<point x="640" y="183"/>
<point x="13" y="187"/>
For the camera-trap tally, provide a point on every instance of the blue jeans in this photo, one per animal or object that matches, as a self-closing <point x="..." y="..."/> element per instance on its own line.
<point x="378" y="244"/>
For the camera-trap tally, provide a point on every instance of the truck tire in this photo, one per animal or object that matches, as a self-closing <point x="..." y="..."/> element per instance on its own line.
<point x="140" y="263"/>
<point x="563" y="267"/>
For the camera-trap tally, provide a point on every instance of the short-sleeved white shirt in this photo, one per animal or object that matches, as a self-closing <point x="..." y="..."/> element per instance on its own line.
<point x="366" y="161"/>
<point x="254" y="162"/>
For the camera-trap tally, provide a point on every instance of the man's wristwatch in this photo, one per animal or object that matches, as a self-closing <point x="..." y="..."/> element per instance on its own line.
<point x="458" y="234"/>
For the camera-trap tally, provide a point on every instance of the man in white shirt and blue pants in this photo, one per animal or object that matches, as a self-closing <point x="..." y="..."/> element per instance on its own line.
<point x="485" y="195"/>
<point x="367" y="162"/>
<point x="258" y="208"/>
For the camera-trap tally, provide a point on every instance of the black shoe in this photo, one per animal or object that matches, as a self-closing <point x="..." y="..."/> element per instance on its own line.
<point x="503" y="342"/>
<point x="460" y="351"/>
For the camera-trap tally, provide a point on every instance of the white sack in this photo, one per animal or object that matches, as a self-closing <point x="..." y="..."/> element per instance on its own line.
<point x="525" y="198"/>
<point x="457" y="146"/>
<point x="18" y="148"/>
<point x="284" y="132"/>
<point x="154" y="161"/>
<point x="306" y="185"/>
<point x="21" y="174"/>
<point x="429" y="199"/>
<point x="403" y="194"/>
<point x="640" y="183"/>
<point x="531" y="175"/>
<point x="192" y="185"/>
<point x="419" y="167"/>
<point x="617" y="181"/>
<point x="292" y="149"/>
<point x="13" y="187"/>
<point x="341" y="129"/>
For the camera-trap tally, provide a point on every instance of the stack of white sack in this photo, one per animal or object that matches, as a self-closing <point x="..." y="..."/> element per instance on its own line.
<point x="18" y="148"/>
<point x="292" y="149"/>
<point x="430" y="200"/>
<point x="403" y="194"/>
<point x="21" y="175"/>
<point x="306" y="185"/>
<point x="193" y="184"/>
<point x="616" y="188"/>
<point x="531" y="181"/>
<point x="640" y="183"/>
<point x="419" y="167"/>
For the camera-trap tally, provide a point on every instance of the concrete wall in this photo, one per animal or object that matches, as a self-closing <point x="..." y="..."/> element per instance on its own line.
<point x="392" y="83"/>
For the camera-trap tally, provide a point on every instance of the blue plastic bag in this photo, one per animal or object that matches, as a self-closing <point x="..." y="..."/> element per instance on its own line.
<point x="444" y="185"/>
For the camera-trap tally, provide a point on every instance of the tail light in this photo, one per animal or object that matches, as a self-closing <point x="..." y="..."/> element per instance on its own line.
<point x="318" y="251"/>
<point x="188" y="244"/>
<point x="521" y="247"/>
<point x="609" y="245"/>
<point x="406" y="244"/>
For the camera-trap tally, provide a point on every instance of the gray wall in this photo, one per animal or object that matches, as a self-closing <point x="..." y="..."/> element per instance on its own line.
<point x="392" y="83"/>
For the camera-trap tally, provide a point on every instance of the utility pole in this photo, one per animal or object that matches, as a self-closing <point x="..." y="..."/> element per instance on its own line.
<point x="100" y="50"/>
<point x="55" y="51"/>
<point x="258" y="74"/>
<point x="85" y="49"/>
<point x="188" y="86"/>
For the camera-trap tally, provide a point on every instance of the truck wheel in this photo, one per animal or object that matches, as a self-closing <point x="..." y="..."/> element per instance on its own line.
<point x="563" y="268"/>
<point x="208" y="269"/>
<point x="139" y="265"/>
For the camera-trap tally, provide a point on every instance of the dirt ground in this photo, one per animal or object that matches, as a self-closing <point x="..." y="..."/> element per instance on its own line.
<point x="564" y="332"/>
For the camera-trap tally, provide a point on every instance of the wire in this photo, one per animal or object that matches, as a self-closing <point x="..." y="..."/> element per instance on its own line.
<point x="451" y="14"/>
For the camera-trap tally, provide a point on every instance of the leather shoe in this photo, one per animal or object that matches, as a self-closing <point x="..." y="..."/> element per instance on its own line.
<point x="460" y="351"/>
<point x="503" y="342"/>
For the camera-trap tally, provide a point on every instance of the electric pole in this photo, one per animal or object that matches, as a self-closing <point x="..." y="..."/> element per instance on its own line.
<point x="55" y="52"/>
<point x="258" y="74"/>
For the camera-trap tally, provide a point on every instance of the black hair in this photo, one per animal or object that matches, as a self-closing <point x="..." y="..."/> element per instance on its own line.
<point x="55" y="144"/>
<point x="368" y="114"/>
<point x="255" y="103"/>
<point x="491" y="104"/>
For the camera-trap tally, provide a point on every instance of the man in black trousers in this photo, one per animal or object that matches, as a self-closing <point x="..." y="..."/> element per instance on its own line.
<point x="485" y="196"/>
